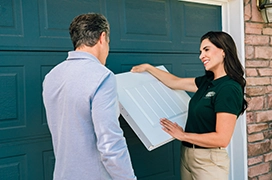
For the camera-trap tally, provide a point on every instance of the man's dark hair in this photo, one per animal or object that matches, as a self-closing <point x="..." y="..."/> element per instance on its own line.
<point x="86" y="29"/>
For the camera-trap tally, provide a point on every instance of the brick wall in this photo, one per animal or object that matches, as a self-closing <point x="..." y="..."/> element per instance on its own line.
<point x="258" y="67"/>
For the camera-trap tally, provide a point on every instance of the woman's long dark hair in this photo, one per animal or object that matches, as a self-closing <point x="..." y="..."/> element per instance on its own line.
<point x="232" y="64"/>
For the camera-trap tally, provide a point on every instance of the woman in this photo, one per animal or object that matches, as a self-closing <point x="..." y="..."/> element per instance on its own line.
<point x="213" y="110"/>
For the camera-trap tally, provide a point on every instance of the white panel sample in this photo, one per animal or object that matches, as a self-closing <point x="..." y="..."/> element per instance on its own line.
<point x="144" y="100"/>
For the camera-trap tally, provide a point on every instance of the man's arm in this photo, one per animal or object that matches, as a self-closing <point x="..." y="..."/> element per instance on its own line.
<point x="110" y="140"/>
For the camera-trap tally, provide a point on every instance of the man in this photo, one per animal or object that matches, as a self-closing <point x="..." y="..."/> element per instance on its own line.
<point x="81" y="105"/>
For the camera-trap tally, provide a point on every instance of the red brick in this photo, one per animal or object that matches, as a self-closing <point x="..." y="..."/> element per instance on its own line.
<point x="253" y="81"/>
<point x="255" y="90"/>
<point x="252" y="28"/>
<point x="266" y="176"/>
<point x="257" y="63"/>
<point x="250" y="117"/>
<point x="255" y="137"/>
<point x="268" y="135"/>
<point x="251" y="128"/>
<point x="250" y="25"/>
<point x="255" y="160"/>
<point x="268" y="157"/>
<point x="269" y="89"/>
<point x="264" y="116"/>
<point x="263" y="52"/>
<point x="254" y="178"/>
<point x="256" y="40"/>
<point x="255" y="103"/>
<point x="255" y="149"/>
<point x="251" y="72"/>
<point x="269" y="101"/>
<point x="267" y="31"/>
<point x="258" y="169"/>
<point x="265" y="71"/>
<point x="247" y="12"/>
<point x="249" y="50"/>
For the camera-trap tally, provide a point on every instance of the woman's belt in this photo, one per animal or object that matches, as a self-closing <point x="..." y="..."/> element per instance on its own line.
<point x="189" y="145"/>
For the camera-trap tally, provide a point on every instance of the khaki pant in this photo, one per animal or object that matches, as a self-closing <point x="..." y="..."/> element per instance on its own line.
<point x="204" y="164"/>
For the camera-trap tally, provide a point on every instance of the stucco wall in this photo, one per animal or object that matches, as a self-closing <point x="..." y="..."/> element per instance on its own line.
<point x="258" y="66"/>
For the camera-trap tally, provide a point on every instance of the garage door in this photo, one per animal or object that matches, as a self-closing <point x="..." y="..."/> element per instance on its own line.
<point x="34" y="38"/>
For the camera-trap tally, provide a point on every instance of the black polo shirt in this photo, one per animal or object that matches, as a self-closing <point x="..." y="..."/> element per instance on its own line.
<point x="220" y="95"/>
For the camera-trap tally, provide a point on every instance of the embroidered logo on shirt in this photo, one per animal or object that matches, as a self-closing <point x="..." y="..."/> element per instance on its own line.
<point x="210" y="94"/>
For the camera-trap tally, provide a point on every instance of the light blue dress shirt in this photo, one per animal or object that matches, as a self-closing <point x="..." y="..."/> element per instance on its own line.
<point x="82" y="112"/>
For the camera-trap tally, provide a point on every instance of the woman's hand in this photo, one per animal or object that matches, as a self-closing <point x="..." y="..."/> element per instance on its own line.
<point x="140" y="68"/>
<point x="173" y="129"/>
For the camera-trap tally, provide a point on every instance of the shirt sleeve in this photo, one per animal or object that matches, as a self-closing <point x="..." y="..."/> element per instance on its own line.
<point x="198" y="80"/>
<point x="202" y="81"/>
<point x="229" y="99"/>
<point x="110" y="140"/>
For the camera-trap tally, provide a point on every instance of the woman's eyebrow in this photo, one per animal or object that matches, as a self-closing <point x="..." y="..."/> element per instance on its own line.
<point x="205" y="47"/>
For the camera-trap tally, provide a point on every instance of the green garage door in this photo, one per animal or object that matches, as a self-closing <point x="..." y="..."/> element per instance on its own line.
<point x="34" y="38"/>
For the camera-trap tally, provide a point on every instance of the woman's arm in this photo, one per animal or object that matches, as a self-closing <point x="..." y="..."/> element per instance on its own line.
<point x="170" y="80"/>
<point x="225" y="124"/>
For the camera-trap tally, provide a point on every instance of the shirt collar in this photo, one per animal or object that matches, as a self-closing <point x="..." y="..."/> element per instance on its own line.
<point x="220" y="80"/>
<point x="81" y="55"/>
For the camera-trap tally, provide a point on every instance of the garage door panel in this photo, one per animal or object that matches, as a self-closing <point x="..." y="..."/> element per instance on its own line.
<point x="28" y="160"/>
<point x="21" y="107"/>
<point x="188" y="65"/>
<point x="56" y="16"/>
<point x="193" y="21"/>
<point x="204" y="16"/>
<point x="18" y="25"/>
<point x="142" y="25"/>
<point x="133" y="25"/>
<point x="12" y="90"/>
<point x="149" y="165"/>
<point x="10" y="18"/>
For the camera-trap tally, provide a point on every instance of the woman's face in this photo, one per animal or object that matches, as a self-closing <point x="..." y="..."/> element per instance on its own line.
<point x="211" y="56"/>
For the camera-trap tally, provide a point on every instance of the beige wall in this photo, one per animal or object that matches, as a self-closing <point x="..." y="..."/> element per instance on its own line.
<point x="258" y="66"/>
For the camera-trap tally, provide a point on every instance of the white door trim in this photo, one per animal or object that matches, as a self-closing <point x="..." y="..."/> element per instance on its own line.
<point x="233" y="23"/>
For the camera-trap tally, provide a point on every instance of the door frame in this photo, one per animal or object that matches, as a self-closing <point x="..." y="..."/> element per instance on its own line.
<point x="233" y="14"/>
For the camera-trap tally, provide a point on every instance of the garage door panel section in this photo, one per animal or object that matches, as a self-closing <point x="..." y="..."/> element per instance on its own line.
<point x="151" y="165"/>
<point x="18" y="25"/>
<point x="55" y="18"/>
<point x="188" y="65"/>
<point x="11" y="23"/>
<point x="27" y="160"/>
<point x="12" y="90"/>
<point x="154" y="165"/>
<point x="193" y="21"/>
<point x="21" y="106"/>
<point x="142" y="25"/>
